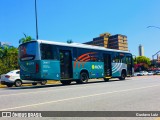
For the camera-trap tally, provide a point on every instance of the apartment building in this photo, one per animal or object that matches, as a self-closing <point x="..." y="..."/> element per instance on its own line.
<point x="107" y="40"/>
<point x="118" y="42"/>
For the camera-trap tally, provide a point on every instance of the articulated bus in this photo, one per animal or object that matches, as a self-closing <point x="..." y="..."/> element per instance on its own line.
<point x="42" y="60"/>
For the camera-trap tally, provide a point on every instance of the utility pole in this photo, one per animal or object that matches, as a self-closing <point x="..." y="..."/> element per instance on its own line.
<point x="36" y="19"/>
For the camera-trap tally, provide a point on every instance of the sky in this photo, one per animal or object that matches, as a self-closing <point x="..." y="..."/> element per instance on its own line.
<point x="83" y="20"/>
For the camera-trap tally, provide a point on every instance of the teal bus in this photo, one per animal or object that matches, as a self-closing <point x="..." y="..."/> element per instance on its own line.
<point x="42" y="60"/>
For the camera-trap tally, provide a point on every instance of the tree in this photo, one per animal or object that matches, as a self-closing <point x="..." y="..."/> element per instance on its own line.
<point x="8" y="59"/>
<point x="143" y="59"/>
<point x="25" y="39"/>
<point x="142" y="63"/>
<point x="4" y="52"/>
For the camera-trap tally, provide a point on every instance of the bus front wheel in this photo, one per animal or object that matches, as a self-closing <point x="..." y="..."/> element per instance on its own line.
<point x="83" y="78"/>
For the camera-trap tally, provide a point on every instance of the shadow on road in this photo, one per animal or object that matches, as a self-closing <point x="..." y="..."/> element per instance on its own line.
<point x="60" y="85"/>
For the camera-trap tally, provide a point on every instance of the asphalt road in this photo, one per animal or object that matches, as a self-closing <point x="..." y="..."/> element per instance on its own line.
<point x="133" y="94"/>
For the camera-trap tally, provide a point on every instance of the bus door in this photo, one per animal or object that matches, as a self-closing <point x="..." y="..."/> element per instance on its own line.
<point x="129" y="65"/>
<point x="66" y="64"/>
<point x="107" y="65"/>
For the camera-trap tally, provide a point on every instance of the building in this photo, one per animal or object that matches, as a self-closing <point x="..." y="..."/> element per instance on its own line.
<point x="107" y="40"/>
<point x="102" y="40"/>
<point x="141" y="50"/>
<point x="118" y="42"/>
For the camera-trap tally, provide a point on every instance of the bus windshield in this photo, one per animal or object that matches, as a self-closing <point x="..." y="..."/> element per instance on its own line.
<point x="27" y="51"/>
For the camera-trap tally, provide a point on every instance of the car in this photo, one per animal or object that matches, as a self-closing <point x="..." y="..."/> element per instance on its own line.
<point x="13" y="78"/>
<point x="142" y="73"/>
<point x="157" y="72"/>
<point x="136" y="74"/>
<point x="150" y="72"/>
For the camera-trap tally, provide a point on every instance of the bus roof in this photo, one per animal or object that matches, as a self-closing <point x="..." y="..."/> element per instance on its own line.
<point x="79" y="45"/>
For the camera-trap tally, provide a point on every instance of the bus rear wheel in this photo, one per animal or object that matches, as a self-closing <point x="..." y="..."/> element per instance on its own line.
<point x="123" y="75"/>
<point x="66" y="82"/>
<point x="83" y="78"/>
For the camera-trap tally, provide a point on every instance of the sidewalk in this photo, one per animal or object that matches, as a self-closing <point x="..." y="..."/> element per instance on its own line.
<point x="48" y="83"/>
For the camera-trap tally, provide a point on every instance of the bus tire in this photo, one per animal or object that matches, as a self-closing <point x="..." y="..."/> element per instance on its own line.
<point x="106" y="79"/>
<point x="123" y="75"/>
<point x="66" y="82"/>
<point x="18" y="83"/>
<point x="43" y="82"/>
<point x="83" y="78"/>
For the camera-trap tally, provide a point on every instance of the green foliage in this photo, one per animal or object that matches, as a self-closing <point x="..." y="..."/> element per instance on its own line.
<point x="143" y="59"/>
<point x="135" y="60"/>
<point x="25" y="39"/>
<point x="8" y="59"/>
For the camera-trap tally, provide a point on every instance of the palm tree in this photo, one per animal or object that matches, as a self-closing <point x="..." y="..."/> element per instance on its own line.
<point x="25" y="39"/>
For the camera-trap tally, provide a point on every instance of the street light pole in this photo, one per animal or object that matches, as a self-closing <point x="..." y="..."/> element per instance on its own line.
<point x="154" y="27"/>
<point x="36" y="19"/>
<point x="158" y="51"/>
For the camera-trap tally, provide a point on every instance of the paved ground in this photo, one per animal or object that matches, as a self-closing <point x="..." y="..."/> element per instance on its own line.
<point x="133" y="94"/>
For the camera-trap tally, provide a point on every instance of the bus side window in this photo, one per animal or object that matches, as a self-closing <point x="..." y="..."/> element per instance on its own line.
<point x="54" y="52"/>
<point x="47" y="52"/>
<point x="99" y="56"/>
<point x="128" y="60"/>
<point x="95" y="57"/>
<point x="116" y="58"/>
<point x="119" y="58"/>
<point x="61" y="57"/>
<point x="122" y="58"/>
<point x="74" y="53"/>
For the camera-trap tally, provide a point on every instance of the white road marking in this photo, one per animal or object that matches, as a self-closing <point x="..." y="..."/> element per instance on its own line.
<point x="80" y="97"/>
